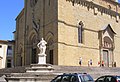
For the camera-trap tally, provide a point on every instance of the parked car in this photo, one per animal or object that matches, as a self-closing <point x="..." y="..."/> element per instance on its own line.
<point x="73" y="77"/>
<point x="108" y="78"/>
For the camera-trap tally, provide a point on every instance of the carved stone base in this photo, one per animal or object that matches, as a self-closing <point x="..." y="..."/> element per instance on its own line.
<point x="40" y="68"/>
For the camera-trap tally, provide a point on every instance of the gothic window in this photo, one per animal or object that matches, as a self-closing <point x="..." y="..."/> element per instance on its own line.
<point x="80" y="32"/>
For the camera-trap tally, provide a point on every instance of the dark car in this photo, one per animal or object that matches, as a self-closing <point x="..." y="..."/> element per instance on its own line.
<point x="108" y="78"/>
<point x="73" y="77"/>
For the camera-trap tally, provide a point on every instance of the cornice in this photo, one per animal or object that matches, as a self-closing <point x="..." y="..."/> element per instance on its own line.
<point x="96" y="7"/>
<point x="20" y="14"/>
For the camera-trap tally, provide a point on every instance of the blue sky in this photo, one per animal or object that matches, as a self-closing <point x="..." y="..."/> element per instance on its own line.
<point x="9" y="9"/>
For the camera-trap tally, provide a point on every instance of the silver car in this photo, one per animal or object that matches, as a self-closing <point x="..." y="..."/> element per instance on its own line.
<point x="73" y="77"/>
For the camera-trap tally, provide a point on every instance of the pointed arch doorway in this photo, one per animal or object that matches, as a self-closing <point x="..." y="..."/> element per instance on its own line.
<point x="50" y="48"/>
<point x="51" y="56"/>
<point x="107" y="46"/>
<point x="106" y="58"/>
<point x="50" y="52"/>
<point x="33" y="49"/>
<point x="108" y="51"/>
<point x="34" y="56"/>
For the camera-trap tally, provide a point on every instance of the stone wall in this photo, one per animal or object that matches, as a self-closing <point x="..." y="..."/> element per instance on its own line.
<point x="69" y="15"/>
<point x="58" y="25"/>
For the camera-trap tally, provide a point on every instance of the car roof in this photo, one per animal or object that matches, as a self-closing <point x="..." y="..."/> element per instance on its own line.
<point x="75" y="74"/>
<point x="110" y="76"/>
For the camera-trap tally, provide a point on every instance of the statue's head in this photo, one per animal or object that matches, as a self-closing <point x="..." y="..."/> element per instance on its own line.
<point x="42" y="38"/>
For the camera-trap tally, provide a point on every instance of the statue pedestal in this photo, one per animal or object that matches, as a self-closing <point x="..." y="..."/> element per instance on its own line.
<point x="41" y="66"/>
<point x="41" y="58"/>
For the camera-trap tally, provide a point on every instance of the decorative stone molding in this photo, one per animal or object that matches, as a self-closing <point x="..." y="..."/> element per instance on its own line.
<point x="95" y="11"/>
<point x="97" y="8"/>
<point x="39" y="68"/>
<point x="109" y="33"/>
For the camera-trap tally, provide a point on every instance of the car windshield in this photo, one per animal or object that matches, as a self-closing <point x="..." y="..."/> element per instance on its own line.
<point x="118" y="78"/>
<point x="86" y="78"/>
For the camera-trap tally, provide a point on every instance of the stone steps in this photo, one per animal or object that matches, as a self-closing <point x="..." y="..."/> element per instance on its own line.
<point x="95" y="72"/>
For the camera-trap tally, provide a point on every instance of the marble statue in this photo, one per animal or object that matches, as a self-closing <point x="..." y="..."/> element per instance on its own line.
<point x="42" y="46"/>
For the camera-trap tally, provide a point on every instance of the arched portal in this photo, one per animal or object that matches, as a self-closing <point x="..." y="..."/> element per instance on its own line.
<point x="107" y="55"/>
<point x="106" y="38"/>
<point x="50" y="56"/>
<point x="32" y="48"/>
<point x="50" y="48"/>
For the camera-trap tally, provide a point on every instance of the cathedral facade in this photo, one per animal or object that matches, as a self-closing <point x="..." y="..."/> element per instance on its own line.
<point x="73" y="29"/>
